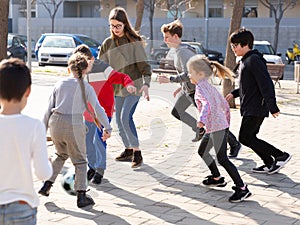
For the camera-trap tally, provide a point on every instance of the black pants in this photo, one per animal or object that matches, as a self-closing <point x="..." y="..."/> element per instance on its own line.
<point x="249" y="129"/>
<point x="218" y="141"/>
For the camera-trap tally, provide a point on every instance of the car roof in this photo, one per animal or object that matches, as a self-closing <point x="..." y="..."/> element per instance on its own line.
<point x="64" y="34"/>
<point x="262" y="43"/>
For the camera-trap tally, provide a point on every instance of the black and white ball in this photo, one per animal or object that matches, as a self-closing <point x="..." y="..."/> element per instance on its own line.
<point x="68" y="182"/>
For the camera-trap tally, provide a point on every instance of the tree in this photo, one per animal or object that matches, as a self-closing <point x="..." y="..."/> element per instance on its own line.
<point x="175" y="7"/>
<point x="4" y="9"/>
<point x="277" y="9"/>
<point x="52" y="7"/>
<point x="235" y="24"/>
<point x="139" y="14"/>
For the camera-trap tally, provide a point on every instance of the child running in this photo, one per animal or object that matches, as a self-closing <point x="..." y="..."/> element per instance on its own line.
<point x="215" y="117"/>
<point x="23" y="142"/>
<point x="101" y="77"/>
<point x="65" y="120"/>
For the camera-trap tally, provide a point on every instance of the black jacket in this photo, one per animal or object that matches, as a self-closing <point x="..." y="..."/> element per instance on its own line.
<point x="256" y="89"/>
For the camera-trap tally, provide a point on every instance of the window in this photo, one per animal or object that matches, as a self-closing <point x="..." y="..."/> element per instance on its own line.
<point x="215" y="8"/>
<point x="250" y="9"/>
<point x="121" y="3"/>
<point x="82" y="8"/>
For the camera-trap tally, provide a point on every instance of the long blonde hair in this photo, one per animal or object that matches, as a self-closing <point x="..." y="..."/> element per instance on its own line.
<point x="200" y="63"/>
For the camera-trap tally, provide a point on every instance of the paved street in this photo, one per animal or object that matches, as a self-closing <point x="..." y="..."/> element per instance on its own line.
<point x="167" y="188"/>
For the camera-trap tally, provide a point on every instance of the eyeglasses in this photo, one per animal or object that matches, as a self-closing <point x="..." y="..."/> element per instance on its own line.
<point x="118" y="26"/>
<point x="234" y="45"/>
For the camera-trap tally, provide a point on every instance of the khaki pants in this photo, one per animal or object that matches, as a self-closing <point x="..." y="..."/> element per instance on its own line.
<point x="68" y="134"/>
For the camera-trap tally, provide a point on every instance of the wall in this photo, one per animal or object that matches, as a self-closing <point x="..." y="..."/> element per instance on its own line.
<point x="97" y="28"/>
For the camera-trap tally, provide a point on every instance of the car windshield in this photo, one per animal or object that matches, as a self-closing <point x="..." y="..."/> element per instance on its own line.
<point x="59" y="42"/>
<point x="89" y="41"/>
<point x="264" y="49"/>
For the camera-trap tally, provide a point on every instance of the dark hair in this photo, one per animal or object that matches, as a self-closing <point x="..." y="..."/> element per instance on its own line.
<point x="120" y="14"/>
<point x="174" y="27"/>
<point x="243" y="37"/>
<point x="85" y="50"/>
<point x="14" y="79"/>
<point x="77" y="63"/>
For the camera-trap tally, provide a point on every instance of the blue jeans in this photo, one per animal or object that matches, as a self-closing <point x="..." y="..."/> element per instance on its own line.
<point x="125" y="108"/>
<point x="95" y="148"/>
<point x="17" y="213"/>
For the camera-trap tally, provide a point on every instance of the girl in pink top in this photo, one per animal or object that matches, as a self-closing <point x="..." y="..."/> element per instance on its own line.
<point x="215" y="117"/>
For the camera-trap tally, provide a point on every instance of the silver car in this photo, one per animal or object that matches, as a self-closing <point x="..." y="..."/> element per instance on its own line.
<point x="56" y="50"/>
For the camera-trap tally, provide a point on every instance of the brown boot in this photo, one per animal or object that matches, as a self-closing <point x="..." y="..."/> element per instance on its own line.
<point x="125" y="156"/>
<point x="45" y="190"/>
<point x="137" y="159"/>
<point x="84" y="200"/>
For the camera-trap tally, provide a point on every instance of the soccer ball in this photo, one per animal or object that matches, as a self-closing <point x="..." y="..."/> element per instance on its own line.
<point x="68" y="182"/>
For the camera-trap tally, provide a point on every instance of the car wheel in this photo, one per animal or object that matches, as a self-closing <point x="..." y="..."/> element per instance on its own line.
<point x="298" y="58"/>
<point x="159" y="57"/>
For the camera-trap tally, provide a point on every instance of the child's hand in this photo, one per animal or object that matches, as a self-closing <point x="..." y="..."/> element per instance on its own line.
<point x="200" y="124"/>
<point x="131" y="89"/>
<point x="276" y="114"/>
<point x="105" y="135"/>
<point x="229" y="97"/>
<point x="176" y="92"/>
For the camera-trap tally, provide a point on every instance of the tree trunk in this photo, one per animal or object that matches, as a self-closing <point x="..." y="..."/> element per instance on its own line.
<point x="4" y="8"/>
<point x="275" y="43"/>
<point x="139" y="15"/>
<point x="235" y="24"/>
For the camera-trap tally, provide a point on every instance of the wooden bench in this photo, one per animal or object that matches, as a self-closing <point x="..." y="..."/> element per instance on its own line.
<point x="276" y="72"/>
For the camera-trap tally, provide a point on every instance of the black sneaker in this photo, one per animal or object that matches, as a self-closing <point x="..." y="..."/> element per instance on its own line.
<point x="97" y="179"/>
<point x="261" y="169"/>
<point x="90" y="174"/>
<point x="125" y="156"/>
<point x="45" y="190"/>
<point x="234" y="151"/>
<point x="84" y="200"/>
<point x="279" y="163"/>
<point x="199" y="134"/>
<point x="210" y="181"/>
<point x="239" y="194"/>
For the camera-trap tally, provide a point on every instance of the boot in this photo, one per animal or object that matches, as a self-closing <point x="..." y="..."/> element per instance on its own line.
<point x="90" y="174"/>
<point x="199" y="134"/>
<point x="137" y="159"/>
<point x="125" y="156"/>
<point x="84" y="200"/>
<point x="45" y="190"/>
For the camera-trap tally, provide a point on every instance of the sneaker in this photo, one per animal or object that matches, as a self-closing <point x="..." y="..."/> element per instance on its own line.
<point x="90" y="174"/>
<point x="279" y="163"/>
<point x="125" y="156"/>
<point x="137" y="159"/>
<point x="97" y="179"/>
<point x="45" y="190"/>
<point x="239" y="194"/>
<point x="199" y="134"/>
<point x="261" y="169"/>
<point x="210" y="181"/>
<point x="234" y="151"/>
<point x="84" y="200"/>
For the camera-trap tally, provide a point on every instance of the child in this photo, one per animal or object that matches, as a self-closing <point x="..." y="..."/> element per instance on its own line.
<point x="65" y="120"/>
<point x="22" y="141"/>
<point x="257" y="94"/>
<point x="215" y="116"/>
<point x="102" y="77"/>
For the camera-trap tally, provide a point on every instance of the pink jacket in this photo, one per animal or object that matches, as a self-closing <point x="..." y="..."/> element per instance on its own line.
<point x="213" y="108"/>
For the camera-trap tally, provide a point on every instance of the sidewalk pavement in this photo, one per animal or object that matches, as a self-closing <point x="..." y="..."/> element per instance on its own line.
<point x="167" y="188"/>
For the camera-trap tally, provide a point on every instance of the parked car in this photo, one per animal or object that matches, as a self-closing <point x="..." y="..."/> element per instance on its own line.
<point x="268" y="52"/>
<point x="16" y="47"/>
<point x="163" y="51"/>
<point x="59" y="47"/>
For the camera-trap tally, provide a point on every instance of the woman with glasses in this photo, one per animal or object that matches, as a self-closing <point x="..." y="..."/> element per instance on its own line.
<point x="124" y="51"/>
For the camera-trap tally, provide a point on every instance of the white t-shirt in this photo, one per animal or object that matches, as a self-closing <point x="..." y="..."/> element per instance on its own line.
<point x="22" y="147"/>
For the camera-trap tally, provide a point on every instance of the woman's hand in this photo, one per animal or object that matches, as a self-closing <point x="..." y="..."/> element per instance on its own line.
<point x="200" y="124"/>
<point x="131" y="89"/>
<point x="145" y="89"/>
<point x="163" y="79"/>
<point x="276" y="114"/>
